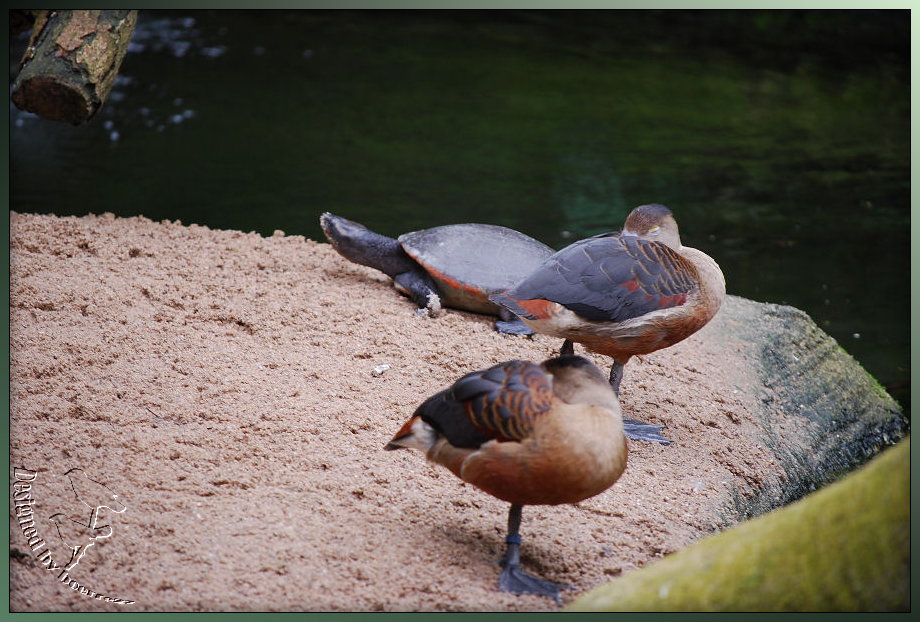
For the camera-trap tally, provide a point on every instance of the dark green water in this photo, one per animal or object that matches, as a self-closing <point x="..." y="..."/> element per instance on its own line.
<point x="780" y="140"/>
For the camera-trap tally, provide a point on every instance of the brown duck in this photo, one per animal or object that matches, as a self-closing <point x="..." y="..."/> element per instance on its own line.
<point x="621" y="294"/>
<point x="528" y="434"/>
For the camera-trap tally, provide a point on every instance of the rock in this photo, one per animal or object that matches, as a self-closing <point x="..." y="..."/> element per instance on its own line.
<point x="820" y="412"/>
<point x="843" y="548"/>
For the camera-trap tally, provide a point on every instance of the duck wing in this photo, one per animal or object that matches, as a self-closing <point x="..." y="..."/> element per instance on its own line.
<point x="499" y="403"/>
<point x="611" y="278"/>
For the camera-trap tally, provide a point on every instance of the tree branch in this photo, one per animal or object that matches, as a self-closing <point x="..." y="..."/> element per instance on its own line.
<point x="70" y="65"/>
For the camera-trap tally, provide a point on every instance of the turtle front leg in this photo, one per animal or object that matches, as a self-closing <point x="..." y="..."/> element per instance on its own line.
<point x="421" y="289"/>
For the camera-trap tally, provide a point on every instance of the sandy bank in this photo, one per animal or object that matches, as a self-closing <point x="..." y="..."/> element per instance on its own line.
<point x="222" y="385"/>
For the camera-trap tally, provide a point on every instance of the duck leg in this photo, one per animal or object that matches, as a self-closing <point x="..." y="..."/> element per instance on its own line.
<point x="635" y="430"/>
<point x="616" y="377"/>
<point x="513" y="579"/>
<point x="567" y="349"/>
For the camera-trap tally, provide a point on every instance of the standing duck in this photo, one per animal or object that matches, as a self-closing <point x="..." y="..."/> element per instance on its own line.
<point x="622" y="294"/>
<point x="527" y="434"/>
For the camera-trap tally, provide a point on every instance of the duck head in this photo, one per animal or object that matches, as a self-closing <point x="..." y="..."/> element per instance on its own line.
<point x="653" y="222"/>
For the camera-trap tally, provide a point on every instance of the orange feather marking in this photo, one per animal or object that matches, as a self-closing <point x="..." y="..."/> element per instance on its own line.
<point x="539" y="308"/>
<point x="404" y="431"/>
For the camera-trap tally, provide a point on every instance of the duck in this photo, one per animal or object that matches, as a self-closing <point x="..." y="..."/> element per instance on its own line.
<point x="528" y="434"/>
<point x="621" y="294"/>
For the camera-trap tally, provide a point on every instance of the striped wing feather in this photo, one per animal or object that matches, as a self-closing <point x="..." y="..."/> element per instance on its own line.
<point x="500" y="403"/>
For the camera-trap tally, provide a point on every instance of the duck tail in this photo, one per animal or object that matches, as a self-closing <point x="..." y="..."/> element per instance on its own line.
<point x="512" y="304"/>
<point x="415" y="434"/>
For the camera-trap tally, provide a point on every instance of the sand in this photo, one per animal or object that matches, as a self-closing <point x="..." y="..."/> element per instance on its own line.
<point x="223" y="385"/>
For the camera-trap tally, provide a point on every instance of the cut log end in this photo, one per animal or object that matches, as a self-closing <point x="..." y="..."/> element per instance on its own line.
<point x="54" y="100"/>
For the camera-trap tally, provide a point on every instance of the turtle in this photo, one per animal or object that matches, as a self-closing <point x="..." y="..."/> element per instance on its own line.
<point x="457" y="265"/>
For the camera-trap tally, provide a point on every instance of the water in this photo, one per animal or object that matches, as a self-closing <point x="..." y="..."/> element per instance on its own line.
<point x="780" y="140"/>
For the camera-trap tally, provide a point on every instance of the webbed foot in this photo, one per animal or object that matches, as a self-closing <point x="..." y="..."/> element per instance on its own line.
<point x="513" y="327"/>
<point x="639" y="431"/>
<point x="513" y="579"/>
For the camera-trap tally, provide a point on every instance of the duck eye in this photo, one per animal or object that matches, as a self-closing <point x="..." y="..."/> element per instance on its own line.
<point x="654" y="230"/>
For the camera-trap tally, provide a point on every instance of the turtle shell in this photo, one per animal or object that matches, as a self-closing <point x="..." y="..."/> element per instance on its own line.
<point x="470" y="261"/>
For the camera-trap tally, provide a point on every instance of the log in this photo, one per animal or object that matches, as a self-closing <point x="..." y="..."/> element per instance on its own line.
<point x="71" y="62"/>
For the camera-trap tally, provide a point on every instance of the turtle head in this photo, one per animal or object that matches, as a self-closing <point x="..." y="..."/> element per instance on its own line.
<point x="357" y="243"/>
<point x="653" y="222"/>
<point x="341" y="232"/>
<point x="351" y="239"/>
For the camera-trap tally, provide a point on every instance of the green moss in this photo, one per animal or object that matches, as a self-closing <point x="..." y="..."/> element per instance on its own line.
<point x="843" y="548"/>
<point x="879" y="389"/>
<point x="877" y="386"/>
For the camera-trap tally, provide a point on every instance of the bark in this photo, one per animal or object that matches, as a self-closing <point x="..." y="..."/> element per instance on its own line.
<point x="71" y="62"/>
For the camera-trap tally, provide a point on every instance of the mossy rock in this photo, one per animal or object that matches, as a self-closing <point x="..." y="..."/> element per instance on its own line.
<point x="820" y="413"/>
<point x="843" y="548"/>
